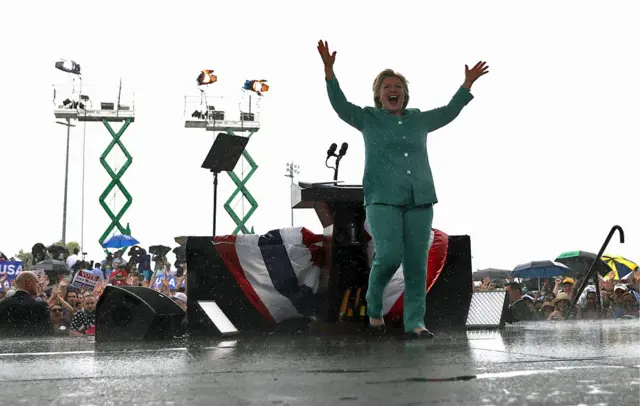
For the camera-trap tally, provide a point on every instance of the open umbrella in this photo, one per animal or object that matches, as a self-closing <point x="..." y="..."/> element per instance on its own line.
<point x="580" y="261"/>
<point x="54" y="269"/>
<point x="620" y="267"/>
<point x="120" y="241"/>
<point x="491" y="273"/>
<point x="540" y="269"/>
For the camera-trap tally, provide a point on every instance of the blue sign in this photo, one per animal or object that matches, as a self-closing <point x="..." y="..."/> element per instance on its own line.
<point x="172" y="282"/>
<point x="11" y="269"/>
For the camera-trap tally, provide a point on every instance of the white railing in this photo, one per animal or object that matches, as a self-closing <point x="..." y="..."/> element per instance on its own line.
<point x="90" y="97"/>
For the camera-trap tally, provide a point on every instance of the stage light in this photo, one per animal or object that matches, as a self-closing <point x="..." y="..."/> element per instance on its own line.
<point x="196" y="114"/>
<point x="206" y="77"/>
<point x="84" y="97"/>
<point x="257" y="86"/>
<point x="66" y="102"/>
<point x="68" y="66"/>
<point x="247" y="116"/>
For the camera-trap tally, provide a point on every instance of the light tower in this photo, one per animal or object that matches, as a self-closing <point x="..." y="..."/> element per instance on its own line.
<point x="80" y="108"/>
<point x="292" y="170"/>
<point x="201" y="112"/>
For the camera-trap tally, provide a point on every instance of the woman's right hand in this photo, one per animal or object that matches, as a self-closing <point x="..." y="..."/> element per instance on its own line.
<point x="328" y="58"/>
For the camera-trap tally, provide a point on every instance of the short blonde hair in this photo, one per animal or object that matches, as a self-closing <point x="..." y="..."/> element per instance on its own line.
<point x="377" y="86"/>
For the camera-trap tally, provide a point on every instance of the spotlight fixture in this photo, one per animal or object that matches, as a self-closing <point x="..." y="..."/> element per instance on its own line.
<point x="68" y="66"/>
<point x="257" y="86"/>
<point x="84" y="97"/>
<point x="206" y="77"/>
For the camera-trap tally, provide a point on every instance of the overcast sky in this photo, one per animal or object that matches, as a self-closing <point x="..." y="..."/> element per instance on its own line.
<point x="543" y="160"/>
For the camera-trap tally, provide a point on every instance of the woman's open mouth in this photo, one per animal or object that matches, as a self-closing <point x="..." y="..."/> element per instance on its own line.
<point x="393" y="100"/>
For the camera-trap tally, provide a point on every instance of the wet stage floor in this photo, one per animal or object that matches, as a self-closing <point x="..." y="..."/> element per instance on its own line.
<point x="563" y="363"/>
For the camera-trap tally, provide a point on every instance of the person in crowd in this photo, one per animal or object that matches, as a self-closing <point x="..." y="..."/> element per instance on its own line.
<point x="630" y="305"/>
<point x="514" y="291"/>
<point x="97" y="271"/>
<point x="561" y="303"/>
<point x="72" y="259"/>
<point x="547" y="309"/>
<point x="145" y="266"/>
<point x="118" y="260"/>
<point x="84" y="321"/>
<point x="523" y="309"/>
<point x="564" y="285"/>
<point x="399" y="199"/>
<point x="59" y="324"/>
<point x="3" y="286"/>
<point x="119" y="276"/>
<point x="181" y="300"/>
<point x="590" y="310"/>
<point x="21" y="314"/>
<point x="107" y="265"/>
<point x="57" y="298"/>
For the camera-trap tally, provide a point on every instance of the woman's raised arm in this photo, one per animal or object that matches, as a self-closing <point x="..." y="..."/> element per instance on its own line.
<point x="348" y="112"/>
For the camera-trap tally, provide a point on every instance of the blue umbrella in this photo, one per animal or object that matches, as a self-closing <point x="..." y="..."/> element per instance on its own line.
<point x="539" y="269"/>
<point x="120" y="241"/>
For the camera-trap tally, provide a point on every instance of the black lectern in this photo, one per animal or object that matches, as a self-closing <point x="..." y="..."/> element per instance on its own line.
<point x="223" y="156"/>
<point x="341" y="212"/>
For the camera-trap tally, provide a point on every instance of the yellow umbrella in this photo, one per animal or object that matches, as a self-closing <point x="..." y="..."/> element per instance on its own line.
<point x="620" y="266"/>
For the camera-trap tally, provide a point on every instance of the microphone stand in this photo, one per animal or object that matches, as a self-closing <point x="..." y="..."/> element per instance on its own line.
<point x="335" y="172"/>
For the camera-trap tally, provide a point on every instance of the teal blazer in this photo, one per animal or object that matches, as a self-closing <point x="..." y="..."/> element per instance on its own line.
<point x="396" y="166"/>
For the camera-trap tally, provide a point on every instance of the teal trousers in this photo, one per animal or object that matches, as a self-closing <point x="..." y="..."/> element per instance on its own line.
<point x="401" y="236"/>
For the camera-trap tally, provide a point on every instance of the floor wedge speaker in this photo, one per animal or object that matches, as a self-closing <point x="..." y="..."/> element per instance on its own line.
<point x="128" y="313"/>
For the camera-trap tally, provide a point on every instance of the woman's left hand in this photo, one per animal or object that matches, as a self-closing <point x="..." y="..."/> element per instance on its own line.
<point x="471" y="75"/>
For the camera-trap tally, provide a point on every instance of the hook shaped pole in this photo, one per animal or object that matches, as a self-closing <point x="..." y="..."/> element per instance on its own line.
<point x="583" y="284"/>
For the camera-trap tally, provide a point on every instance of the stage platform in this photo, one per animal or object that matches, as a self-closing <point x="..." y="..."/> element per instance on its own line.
<point x="543" y="363"/>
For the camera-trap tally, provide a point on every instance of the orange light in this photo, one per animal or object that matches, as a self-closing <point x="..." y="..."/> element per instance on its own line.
<point x="206" y="77"/>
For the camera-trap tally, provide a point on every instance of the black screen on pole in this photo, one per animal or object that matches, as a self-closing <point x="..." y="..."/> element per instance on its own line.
<point x="225" y="152"/>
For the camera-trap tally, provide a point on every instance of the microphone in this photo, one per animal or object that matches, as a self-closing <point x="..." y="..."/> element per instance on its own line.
<point x="332" y="150"/>
<point x="343" y="149"/>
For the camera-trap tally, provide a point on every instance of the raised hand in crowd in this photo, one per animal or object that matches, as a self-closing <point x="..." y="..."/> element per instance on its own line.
<point x="485" y="283"/>
<point x="545" y="286"/>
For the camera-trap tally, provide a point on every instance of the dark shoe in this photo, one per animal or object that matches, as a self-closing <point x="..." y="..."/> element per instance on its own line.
<point x="424" y="334"/>
<point x="376" y="330"/>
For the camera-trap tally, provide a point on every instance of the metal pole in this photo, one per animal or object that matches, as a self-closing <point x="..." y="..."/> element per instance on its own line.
<point x="215" y="200"/>
<point x="292" y="206"/>
<point x="66" y="184"/>
<point x="84" y="137"/>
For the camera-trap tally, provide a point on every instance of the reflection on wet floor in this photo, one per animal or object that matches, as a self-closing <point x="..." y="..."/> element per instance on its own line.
<point x="566" y="363"/>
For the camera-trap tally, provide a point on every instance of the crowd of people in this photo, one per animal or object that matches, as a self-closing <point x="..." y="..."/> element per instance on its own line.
<point x="619" y="299"/>
<point x="39" y="303"/>
<point x="35" y="304"/>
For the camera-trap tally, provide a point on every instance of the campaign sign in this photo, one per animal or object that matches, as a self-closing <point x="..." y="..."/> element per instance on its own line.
<point x="11" y="269"/>
<point x="85" y="280"/>
<point x="172" y="282"/>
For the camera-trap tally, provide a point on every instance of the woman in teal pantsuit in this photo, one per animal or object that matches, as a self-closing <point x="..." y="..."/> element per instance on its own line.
<point x="398" y="184"/>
